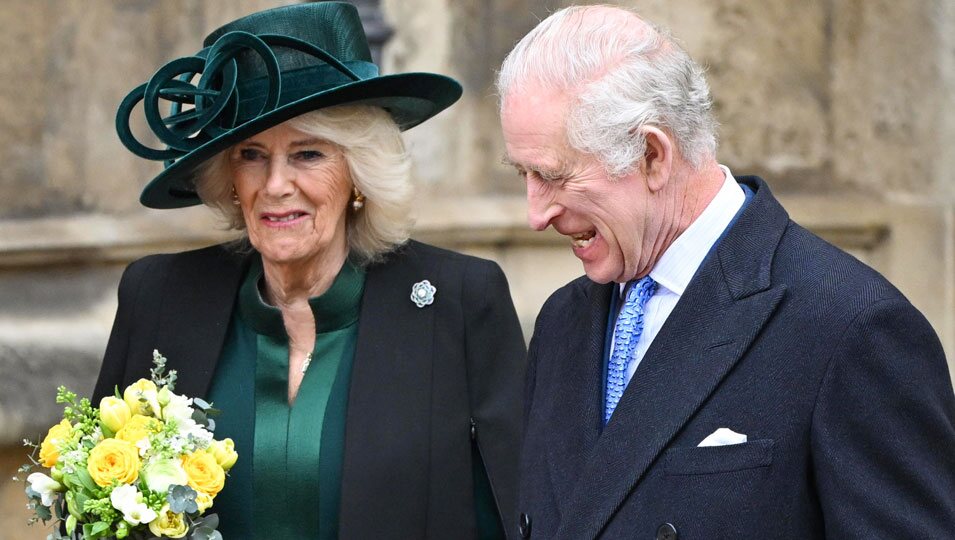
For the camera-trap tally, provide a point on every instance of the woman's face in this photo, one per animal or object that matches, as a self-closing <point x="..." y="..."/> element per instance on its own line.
<point x="293" y="190"/>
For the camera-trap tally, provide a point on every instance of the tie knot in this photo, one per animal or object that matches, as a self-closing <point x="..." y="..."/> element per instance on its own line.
<point x="641" y="289"/>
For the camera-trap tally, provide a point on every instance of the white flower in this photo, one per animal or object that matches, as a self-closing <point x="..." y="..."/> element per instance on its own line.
<point x="44" y="486"/>
<point x="139" y="513"/>
<point x="188" y="428"/>
<point x="124" y="496"/>
<point x="144" y="446"/>
<point x="162" y="473"/>
<point x="128" y="500"/>
<point x="176" y="444"/>
<point x="178" y="407"/>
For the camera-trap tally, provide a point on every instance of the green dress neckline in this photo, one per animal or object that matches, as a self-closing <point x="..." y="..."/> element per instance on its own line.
<point x="297" y="450"/>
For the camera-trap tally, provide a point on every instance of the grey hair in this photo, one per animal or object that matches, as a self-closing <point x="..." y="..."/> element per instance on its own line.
<point x="377" y="162"/>
<point x="620" y="80"/>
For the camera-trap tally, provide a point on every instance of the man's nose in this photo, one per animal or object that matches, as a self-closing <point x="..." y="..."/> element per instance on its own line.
<point x="541" y="207"/>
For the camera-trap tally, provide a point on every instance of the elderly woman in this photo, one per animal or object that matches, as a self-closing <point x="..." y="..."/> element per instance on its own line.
<point x="371" y="383"/>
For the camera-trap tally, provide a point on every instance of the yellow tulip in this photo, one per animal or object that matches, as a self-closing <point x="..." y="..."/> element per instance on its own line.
<point x="114" y="413"/>
<point x="224" y="452"/>
<point x="142" y="398"/>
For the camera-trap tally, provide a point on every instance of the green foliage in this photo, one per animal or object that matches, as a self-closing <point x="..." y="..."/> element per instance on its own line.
<point x="205" y="527"/>
<point x="182" y="499"/>
<point x="157" y="373"/>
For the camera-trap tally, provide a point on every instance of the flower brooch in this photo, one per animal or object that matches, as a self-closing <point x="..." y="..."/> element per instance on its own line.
<point x="422" y="293"/>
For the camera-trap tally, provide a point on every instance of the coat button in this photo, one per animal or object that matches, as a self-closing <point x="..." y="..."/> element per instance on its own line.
<point x="525" y="526"/>
<point x="667" y="532"/>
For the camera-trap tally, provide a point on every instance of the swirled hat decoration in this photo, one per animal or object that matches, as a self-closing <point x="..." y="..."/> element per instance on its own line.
<point x="257" y="72"/>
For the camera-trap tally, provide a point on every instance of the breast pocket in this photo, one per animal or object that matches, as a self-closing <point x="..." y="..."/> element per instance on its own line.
<point x="718" y="459"/>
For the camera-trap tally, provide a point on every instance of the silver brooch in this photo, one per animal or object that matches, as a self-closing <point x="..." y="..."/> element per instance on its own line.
<point x="422" y="293"/>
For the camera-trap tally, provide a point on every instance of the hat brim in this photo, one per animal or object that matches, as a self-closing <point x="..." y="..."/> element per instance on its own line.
<point x="410" y="98"/>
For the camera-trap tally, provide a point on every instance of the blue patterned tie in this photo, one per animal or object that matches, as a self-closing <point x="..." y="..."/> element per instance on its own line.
<point x="626" y="335"/>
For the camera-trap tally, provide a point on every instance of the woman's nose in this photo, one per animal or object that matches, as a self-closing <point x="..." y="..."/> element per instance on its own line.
<point x="281" y="179"/>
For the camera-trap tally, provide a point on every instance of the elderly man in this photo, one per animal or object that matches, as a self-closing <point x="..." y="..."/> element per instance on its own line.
<point x="720" y="372"/>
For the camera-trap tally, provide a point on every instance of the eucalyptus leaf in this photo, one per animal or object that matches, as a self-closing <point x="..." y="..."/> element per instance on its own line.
<point x="42" y="512"/>
<point x="182" y="499"/>
<point x="209" y="520"/>
<point x="201" y="403"/>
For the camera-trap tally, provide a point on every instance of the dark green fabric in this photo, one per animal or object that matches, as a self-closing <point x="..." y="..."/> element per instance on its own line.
<point x="489" y="526"/>
<point x="292" y="450"/>
<point x="233" y="392"/>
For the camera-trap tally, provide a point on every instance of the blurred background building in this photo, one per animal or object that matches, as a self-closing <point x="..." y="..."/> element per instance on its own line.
<point x="846" y="108"/>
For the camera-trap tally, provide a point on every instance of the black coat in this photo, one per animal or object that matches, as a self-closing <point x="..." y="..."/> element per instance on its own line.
<point x="421" y="378"/>
<point x="838" y="381"/>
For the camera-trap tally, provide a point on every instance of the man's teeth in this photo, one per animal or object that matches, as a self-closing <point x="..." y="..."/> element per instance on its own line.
<point x="583" y="240"/>
<point x="283" y="219"/>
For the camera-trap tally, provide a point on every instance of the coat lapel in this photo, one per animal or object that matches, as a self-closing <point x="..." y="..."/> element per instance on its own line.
<point x="720" y="313"/>
<point x="577" y="416"/>
<point x="192" y="327"/>
<point x="389" y="395"/>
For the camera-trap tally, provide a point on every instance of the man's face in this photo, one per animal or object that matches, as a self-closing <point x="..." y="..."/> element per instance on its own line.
<point x="606" y="219"/>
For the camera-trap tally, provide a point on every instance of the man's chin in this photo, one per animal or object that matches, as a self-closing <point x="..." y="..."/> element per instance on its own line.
<point x="598" y="275"/>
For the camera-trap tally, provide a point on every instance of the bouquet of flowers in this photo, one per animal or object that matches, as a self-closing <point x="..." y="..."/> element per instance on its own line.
<point x="143" y="465"/>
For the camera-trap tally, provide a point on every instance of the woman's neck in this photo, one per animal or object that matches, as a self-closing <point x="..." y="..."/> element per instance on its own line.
<point x="288" y="286"/>
<point x="292" y="284"/>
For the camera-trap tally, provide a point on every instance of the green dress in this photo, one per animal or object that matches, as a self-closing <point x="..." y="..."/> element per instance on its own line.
<point x="285" y="451"/>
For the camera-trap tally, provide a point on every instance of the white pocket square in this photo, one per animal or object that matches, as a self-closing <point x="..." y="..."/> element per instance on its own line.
<point x="722" y="437"/>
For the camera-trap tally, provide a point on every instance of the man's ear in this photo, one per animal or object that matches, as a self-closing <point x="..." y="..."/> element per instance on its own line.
<point x="657" y="159"/>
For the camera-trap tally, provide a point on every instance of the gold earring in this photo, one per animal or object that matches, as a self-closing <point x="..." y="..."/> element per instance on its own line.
<point x="358" y="202"/>
<point x="235" y="197"/>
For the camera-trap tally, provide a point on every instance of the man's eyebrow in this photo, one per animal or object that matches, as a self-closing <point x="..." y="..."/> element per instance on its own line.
<point x="506" y="160"/>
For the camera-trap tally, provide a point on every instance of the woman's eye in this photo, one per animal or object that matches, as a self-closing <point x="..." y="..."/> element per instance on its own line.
<point x="250" y="154"/>
<point x="309" y="155"/>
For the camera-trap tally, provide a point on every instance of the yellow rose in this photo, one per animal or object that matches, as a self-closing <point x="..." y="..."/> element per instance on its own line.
<point x="169" y="524"/>
<point x="203" y="501"/>
<point x="114" y="413"/>
<point x="142" y="397"/>
<point x="50" y="447"/>
<point x="138" y="427"/>
<point x="204" y="472"/>
<point x="224" y="452"/>
<point x="113" y="459"/>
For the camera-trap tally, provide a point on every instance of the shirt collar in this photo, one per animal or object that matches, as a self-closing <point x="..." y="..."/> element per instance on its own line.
<point x="681" y="260"/>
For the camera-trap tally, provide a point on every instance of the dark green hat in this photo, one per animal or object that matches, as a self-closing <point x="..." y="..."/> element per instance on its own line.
<point x="257" y="72"/>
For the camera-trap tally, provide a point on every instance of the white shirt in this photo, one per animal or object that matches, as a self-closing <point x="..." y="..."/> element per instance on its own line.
<point x="681" y="260"/>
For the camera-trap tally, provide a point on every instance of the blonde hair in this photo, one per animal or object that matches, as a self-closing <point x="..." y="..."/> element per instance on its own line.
<point x="379" y="166"/>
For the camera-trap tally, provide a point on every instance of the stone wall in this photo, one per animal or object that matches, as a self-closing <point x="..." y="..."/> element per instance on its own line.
<point x="846" y="107"/>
